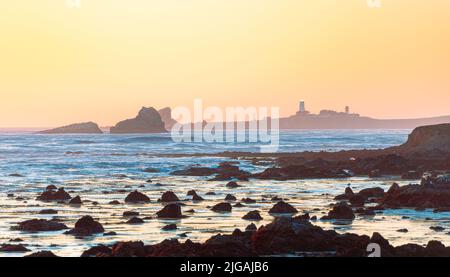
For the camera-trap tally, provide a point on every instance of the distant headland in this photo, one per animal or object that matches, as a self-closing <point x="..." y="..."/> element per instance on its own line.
<point x="149" y="120"/>
<point x="328" y="119"/>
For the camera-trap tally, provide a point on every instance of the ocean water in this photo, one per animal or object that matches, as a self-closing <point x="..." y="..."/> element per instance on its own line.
<point x="102" y="168"/>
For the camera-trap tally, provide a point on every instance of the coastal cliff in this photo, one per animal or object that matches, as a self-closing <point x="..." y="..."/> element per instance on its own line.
<point x="147" y="121"/>
<point x="428" y="138"/>
<point x="78" y="128"/>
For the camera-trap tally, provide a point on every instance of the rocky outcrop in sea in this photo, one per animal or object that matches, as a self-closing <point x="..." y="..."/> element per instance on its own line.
<point x="146" y="122"/>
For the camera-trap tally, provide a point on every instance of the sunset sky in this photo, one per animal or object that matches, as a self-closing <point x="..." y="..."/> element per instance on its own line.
<point x="105" y="60"/>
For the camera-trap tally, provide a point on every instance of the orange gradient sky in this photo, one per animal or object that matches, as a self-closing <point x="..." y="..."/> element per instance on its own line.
<point x="104" y="61"/>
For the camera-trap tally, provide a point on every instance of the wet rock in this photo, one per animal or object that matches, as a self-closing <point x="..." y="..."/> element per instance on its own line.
<point x="129" y="249"/>
<point x="295" y="171"/>
<point x="169" y="196"/>
<point x="50" y="195"/>
<point x="347" y="194"/>
<point x="283" y="208"/>
<point x="433" y="192"/>
<point x="252" y="215"/>
<point x="42" y="254"/>
<point x="239" y="205"/>
<point x="230" y="197"/>
<point x="412" y="175"/>
<point x="13" y="248"/>
<point x="130" y="213"/>
<point x="169" y="227"/>
<point x="248" y="201"/>
<point x="135" y="220"/>
<point x="232" y="185"/>
<point x="376" y="173"/>
<point x="10" y="195"/>
<point x="39" y="225"/>
<point x="15" y="175"/>
<point x="222" y="207"/>
<point x="75" y="201"/>
<point x="51" y="187"/>
<point x="304" y="217"/>
<point x="108" y="234"/>
<point x="48" y="211"/>
<point x="340" y="211"/>
<point x="211" y="193"/>
<point x="191" y="193"/>
<point x="170" y="211"/>
<point x="393" y="188"/>
<point x="197" y="197"/>
<point x="97" y="251"/>
<point x="437" y="228"/>
<point x="137" y="197"/>
<point x="357" y="200"/>
<point x="402" y="230"/>
<point x="151" y="170"/>
<point x="114" y="202"/>
<point x="372" y="192"/>
<point x="16" y="240"/>
<point x="86" y="226"/>
<point x="251" y="228"/>
<point x="196" y="171"/>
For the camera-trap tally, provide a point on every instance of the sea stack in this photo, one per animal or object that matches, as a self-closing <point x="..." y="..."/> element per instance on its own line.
<point x="78" y="128"/>
<point x="146" y="122"/>
<point x="166" y="116"/>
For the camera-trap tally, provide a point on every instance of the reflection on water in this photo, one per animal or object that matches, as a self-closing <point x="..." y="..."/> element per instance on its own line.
<point x="86" y="166"/>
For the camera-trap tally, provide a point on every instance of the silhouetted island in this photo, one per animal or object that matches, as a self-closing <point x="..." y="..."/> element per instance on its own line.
<point x="146" y="122"/>
<point x="78" y="128"/>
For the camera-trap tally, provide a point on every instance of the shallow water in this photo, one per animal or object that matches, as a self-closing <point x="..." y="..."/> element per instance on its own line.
<point x="43" y="160"/>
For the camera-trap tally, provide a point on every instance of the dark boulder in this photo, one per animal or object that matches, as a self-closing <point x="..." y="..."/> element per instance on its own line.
<point x="40" y="225"/>
<point x="169" y="227"/>
<point x="42" y="254"/>
<point x="252" y="215"/>
<point x="230" y="197"/>
<point x="137" y="197"/>
<point x="169" y="196"/>
<point x="51" y="195"/>
<point x="135" y="220"/>
<point x="75" y="201"/>
<point x="170" y="211"/>
<point x="86" y="226"/>
<point x="222" y="207"/>
<point x="283" y="208"/>
<point x="13" y="248"/>
<point x="340" y="211"/>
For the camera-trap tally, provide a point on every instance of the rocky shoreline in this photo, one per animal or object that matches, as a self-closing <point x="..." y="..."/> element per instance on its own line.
<point x="289" y="233"/>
